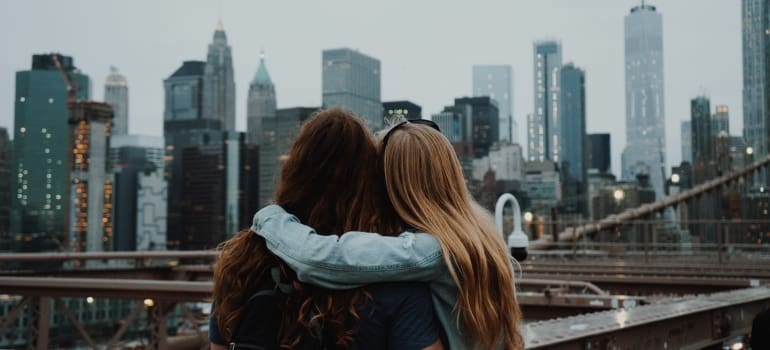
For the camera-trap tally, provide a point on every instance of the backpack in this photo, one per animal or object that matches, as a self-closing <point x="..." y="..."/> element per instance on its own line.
<point x="261" y="317"/>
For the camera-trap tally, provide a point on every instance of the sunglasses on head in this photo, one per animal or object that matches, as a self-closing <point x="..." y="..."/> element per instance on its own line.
<point x="396" y="121"/>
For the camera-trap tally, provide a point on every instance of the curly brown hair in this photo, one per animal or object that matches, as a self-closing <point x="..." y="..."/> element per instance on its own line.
<point x="332" y="181"/>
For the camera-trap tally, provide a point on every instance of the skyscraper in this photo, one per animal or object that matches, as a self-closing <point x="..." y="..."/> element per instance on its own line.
<point x="645" y="119"/>
<point x="720" y="121"/>
<point x="496" y="81"/>
<point x="184" y="125"/>
<point x="116" y="95"/>
<point x="139" y="191"/>
<point x="687" y="141"/>
<point x="279" y="134"/>
<point x="573" y="121"/>
<point x="261" y="104"/>
<point x="756" y="78"/>
<point x="543" y="124"/>
<point x="599" y="153"/>
<point x="484" y="122"/>
<point x="573" y="138"/>
<point x="352" y="80"/>
<point x="218" y="81"/>
<point x="702" y="132"/>
<point x="39" y="198"/>
<point x="91" y="182"/>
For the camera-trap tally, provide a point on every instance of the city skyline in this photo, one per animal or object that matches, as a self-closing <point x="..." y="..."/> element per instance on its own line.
<point x="296" y="72"/>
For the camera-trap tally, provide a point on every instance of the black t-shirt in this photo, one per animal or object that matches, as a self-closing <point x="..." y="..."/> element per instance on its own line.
<point x="399" y="316"/>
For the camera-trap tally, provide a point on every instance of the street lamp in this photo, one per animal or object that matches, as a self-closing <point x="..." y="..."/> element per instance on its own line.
<point x="619" y="194"/>
<point x="675" y="179"/>
<point x="517" y="240"/>
<point x="528" y="217"/>
<point x="749" y="150"/>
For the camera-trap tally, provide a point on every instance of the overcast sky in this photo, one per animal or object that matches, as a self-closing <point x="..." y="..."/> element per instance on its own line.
<point x="426" y="48"/>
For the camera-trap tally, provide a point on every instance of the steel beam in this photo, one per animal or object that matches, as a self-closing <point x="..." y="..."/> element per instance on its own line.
<point x="693" y="323"/>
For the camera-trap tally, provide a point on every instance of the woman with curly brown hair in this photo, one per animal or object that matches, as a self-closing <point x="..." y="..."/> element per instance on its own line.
<point x="331" y="179"/>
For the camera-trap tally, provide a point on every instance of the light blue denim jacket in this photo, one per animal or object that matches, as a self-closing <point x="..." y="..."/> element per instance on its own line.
<point x="358" y="258"/>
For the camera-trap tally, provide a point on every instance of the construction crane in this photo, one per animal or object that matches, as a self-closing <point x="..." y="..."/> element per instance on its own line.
<point x="72" y="86"/>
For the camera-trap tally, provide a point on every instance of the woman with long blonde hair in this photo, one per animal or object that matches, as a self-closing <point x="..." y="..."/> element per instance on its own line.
<point x="462" y="255"/>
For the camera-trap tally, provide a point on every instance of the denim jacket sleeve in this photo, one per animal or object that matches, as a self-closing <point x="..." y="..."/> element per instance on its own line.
<point x="350" y="260"/>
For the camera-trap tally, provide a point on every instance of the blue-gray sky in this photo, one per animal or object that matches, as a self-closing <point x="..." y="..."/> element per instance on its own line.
<point x="426" y="47"/>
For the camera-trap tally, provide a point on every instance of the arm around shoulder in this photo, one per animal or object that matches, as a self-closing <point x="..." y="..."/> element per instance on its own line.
<point x="350" y="260"/>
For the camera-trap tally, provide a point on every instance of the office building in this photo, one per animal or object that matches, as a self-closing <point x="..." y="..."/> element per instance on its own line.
<point x="408" y="109"/>
<point x="702" y="135"/>
<point x="755" y="21"/>
<point x="573" y="122"/>
<point x="116" y="95"/>
<point x="91" y="182"/>
<point x="140" y="192"/>
<point x="599" y="155"/>
<point x="645" y="99"/>
<point x="279" y="132"/>
<point x="39" y="197"/>
<point x="184" y="125"/>
<point x="484" y="122"/>
<point x="542" y="184"/>
<point x="261" y="102"/>
<point x="496" y="81"/>
<point x="351" y="80"/>
<point x="218" y="81"/>
<point x="449" y="122"/>
<point x="543" y="124"/>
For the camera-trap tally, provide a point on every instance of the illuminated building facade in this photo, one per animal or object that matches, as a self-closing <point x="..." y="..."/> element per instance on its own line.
<point x="91" y="182"/>
<point x="408" y="109"/>
<point x="40" y="186"/>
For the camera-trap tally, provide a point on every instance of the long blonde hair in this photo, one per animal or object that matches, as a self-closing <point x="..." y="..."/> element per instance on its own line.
<point x="427" y="188"/>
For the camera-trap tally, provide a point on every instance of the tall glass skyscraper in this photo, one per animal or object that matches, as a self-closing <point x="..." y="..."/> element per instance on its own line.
<point x="184" y="125"/>
<point x="352" y="80"/>
<point x="261" y="103"/>
<point x="116" y="95"/>
<point x="496" y="81"/>
<point x="702" y="132"/>
<point x="218" y="81"/>
<point x="756" y="78"/>
<point x="645" y="119"/>
<point x="573" y="121"/>
<point x="39" y="198"/>
<point x="543" y="125"/>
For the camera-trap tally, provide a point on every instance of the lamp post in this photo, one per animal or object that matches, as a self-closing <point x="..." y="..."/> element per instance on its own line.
<point x="517" y="240"/>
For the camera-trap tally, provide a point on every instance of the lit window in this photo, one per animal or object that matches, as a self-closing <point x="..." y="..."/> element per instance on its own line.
<point x="47" y="151"/>
<point x="23" y="129"/>
<point x="22" y="99"/>
<point x="44" y="130"/>
<point x="50" y="100"/>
